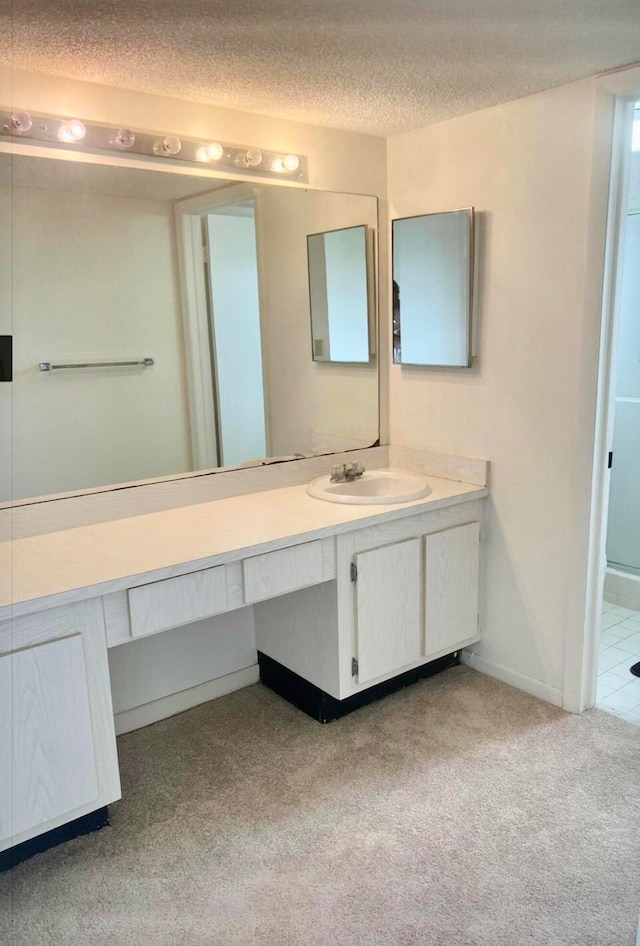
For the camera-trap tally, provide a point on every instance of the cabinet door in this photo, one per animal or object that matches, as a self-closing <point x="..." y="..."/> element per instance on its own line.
<point x="57" y="742"/>
<point x="388" y="609"/>
<point x="54" y="765"/>
<point x="451" y="588"/>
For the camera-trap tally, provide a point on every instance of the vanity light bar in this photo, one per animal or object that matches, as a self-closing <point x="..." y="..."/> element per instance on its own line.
<point x="68" y="133"/>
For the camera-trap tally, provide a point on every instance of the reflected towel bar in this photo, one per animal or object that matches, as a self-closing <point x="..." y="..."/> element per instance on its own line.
<point x="144" y="363"/>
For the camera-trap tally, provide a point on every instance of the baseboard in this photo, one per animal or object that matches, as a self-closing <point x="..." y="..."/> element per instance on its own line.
<point x="325" y="708"/>
<point x="622" y="588"/>
<point x="543" y="691"/>
<point x="94" y="821"/>
<point x="139" y="716"/>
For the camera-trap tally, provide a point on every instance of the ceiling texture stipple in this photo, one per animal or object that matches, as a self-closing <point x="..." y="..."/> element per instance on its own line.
<point x="375" y="66"/>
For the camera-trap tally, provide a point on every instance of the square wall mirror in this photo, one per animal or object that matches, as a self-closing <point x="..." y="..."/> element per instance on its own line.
<point x="433" y="289"/>
<point x="339" y="295"/>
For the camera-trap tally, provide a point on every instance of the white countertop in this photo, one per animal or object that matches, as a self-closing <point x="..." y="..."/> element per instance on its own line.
<point x="53" y="569"/>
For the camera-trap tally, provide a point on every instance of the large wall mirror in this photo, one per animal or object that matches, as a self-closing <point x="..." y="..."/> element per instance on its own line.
<point x="433" y="289"/>
<point x="161" y="326"/>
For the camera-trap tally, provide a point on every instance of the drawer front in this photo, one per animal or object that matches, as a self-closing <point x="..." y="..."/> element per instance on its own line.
<point x="276" y="573"/>
<point x="175" y="601"/>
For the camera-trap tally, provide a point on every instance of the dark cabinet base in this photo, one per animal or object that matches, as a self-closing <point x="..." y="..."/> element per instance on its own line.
<point x="66" y="832"/>
<point x="325" y="708"/>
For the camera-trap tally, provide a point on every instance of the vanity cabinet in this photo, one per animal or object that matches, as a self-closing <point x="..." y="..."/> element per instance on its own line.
<point x="58" y="757"/>
<point x="405" y="593"/>
<point x="415" y="600"/>
<point x="347" y="612"/>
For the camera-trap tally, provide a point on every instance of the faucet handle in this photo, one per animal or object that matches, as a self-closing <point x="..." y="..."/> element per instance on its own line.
<point x="338" y="471"/>
<point x="358" y="469"/>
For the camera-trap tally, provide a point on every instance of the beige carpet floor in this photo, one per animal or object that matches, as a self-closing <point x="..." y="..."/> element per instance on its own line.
<point x="458" y="812"/>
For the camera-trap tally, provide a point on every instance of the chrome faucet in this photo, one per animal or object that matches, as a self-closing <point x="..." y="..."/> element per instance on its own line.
<point x="346" y="472"/>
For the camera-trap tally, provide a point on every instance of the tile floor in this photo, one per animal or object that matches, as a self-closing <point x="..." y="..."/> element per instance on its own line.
<point x="618" y="689"/>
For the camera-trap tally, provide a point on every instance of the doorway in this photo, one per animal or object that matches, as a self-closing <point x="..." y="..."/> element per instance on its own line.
<point x="229" y="239"/>
<point x="218" y="254"/>
<point x="618" y="663"/>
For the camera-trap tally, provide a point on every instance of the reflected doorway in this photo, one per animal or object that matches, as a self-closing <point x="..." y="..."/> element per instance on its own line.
<point x="230" y="257"/>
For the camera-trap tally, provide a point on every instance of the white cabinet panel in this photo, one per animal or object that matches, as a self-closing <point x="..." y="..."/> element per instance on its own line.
<point x="175" y="601"/>
<point x="58" y="758"/>
<point x="47" y="756"/>
<point x="388" y="608"/>
<point x="451" y="587"/>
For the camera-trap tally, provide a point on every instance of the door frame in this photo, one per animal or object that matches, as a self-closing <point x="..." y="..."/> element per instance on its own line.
<point x="201" y="386"/>
<point x="618" y="92"/>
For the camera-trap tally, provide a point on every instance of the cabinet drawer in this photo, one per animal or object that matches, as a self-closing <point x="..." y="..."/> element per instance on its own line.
<point x="276" y="573"/>
<point x="175" y="601"/>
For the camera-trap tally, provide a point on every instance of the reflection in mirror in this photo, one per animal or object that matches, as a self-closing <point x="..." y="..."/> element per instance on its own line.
<point x="206" y="277"/>
<point x="433" y="289"/>
<point x="339" y="295"/>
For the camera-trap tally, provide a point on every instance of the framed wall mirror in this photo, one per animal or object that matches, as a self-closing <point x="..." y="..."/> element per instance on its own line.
<point x="171" y="312"/>
<point x="339" y="295"/>
<point x="433" y="262"/>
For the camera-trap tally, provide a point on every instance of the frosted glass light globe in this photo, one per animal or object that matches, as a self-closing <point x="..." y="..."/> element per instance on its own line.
<point x="291" y="162"/>
<point x="214" y="151"/>
<point x="71" y="131"/>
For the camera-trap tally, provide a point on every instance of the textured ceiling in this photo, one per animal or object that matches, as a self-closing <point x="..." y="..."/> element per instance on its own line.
<point x="378" y="66"/>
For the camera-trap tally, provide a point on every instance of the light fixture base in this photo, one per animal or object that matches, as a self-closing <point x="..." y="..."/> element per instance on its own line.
<point x="72" y="133"/>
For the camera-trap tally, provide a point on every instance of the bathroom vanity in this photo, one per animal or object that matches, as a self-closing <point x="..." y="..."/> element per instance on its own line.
<point x="346" y="598"/>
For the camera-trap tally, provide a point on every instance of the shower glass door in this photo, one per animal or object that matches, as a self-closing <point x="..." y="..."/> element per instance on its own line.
<point x="623" y="533"/>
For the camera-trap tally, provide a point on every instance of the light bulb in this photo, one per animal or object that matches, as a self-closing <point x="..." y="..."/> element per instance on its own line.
<point x="277" y="165"/>
<point x="123" y="139"/>
<point x="210" y="152"/>
<point x="168" y="146"/>
<point x="253" y="157"/>
<point x="71" y="131"/>
<point x="20" y="122"/>
<point x="291" y="162"/>
<point x="214" y="151"/>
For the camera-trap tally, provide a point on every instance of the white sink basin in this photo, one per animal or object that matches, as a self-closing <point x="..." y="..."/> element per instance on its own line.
<point x="374" y="486"/>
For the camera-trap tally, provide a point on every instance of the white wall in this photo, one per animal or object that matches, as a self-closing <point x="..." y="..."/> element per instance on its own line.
<point x="94" y="279"/>
<point x="537" y="171"/>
